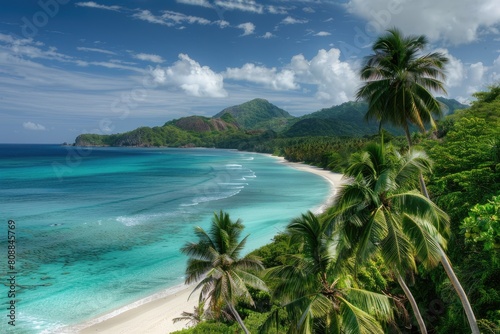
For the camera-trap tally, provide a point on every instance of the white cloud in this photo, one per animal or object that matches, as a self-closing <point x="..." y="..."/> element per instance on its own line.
<point x="495" y="71"/>
<point x="92" y="4"/>
<point x="308" y="10"/>
<point x="243" y="5"/>
<point x="81" y="48"/>
<point x="462" y="80"/>
<point x="221" y="23"/>
<point x="179" y="18"/>
<point x="455" y="70"/>
<point x="477" y="72"/>
<point x="336" y="81"/>
<point x="449" y="20"/>
<point x="322" y="33"/>
<point x="291" y="20"/>
<point x="169" y="18"/>
<point x="33" y="126"/>
<point x="26" y="47"/>
<point x="277" y="10"/>
<point x="269" y="77"/>
<point x="248" y="28"/>
<point x="149" y="57"/>
<point x="191" y="77"/>
<point x="147" y="16"/>
<point x="268" y="35"/>
<point x="202" y="3"/>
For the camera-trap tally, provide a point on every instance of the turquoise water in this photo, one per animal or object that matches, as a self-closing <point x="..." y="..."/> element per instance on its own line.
<point x="99" y="228"/>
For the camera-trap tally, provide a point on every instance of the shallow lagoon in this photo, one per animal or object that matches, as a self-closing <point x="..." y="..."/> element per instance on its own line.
<point x="99" y="228"/>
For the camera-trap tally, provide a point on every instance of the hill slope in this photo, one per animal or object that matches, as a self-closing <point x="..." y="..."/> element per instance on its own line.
<point x="254" y="119"/>
<point x="258" y="114"/>
<point x="348" y="119"/>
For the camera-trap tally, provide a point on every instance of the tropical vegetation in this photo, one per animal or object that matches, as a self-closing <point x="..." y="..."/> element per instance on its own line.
<point x="218" y="269"/>
<point x="370" y="263"/>
<point x="379" y="212"/>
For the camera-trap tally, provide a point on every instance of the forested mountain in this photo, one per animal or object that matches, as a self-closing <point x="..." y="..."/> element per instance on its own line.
<point x="450" y="105"/>
<point x="348" y="119"/>
<point x="258" y="114"/>
<point x="255" y="120"/>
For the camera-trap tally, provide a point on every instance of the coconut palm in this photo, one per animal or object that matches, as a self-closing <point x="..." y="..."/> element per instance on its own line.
<point x="193" y="318"/>
<point x="376" y="211"/>
<point x="215" y="262"/>
<point x="399" y="81"/>
<point x="315" y="295"/>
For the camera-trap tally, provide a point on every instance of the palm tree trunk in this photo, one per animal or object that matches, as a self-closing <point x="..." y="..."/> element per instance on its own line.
<point x="413" y="304"/>
<point x="238" y="318"/>
<point x="423" y="187"/>
<point x="460" y="291"/>
<point x="446" y="263"/>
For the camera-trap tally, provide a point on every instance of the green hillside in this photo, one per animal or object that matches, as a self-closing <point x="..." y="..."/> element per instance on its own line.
<point x="258" y="114"/>
<point x="245" y="125"/>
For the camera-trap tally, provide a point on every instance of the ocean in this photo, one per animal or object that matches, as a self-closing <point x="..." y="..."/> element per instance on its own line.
<point x="98" y="228"/>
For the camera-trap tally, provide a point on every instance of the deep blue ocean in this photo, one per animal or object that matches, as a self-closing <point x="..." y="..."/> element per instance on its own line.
<point x="98" y="228"/>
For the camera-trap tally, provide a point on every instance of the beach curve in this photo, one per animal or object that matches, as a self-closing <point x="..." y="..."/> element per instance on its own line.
<point x="155" y="314"/>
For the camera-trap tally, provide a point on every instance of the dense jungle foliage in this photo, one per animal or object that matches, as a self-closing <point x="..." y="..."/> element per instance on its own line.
<point x="464" y="183"/>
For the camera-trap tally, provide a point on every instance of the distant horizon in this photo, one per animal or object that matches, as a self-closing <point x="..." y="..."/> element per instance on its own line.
<point x="71" y="142"/>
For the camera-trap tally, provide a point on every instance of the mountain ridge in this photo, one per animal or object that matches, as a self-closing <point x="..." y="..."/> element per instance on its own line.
<point x="257" y="117"/>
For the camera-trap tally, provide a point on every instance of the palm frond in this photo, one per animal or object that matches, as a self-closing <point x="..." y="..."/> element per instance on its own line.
<point x="355" y="320"/>
<point x="425" y="238"/>
<point x="396" y="249"/>
<point x="376" y="304"/>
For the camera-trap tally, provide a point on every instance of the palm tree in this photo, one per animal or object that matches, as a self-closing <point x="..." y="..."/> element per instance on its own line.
<point x="376" y="211"/>
<point x="315" y="294"/>
<point x="399" y="80"/>
<point x="398" y="89"/>
<point x="194" y="318"/>
<point x="398" y="83"/>
<point x="222" y="274"/>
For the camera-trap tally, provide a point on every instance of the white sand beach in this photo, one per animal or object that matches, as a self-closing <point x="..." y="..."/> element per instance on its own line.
<point x="154" y="315"/>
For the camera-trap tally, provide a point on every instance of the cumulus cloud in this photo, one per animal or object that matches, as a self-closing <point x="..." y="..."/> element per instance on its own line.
<point x="248" y="28"/>
<point x="269" y="77"/>
<point x="495" y="71"/>
<point x="446" y="20"/>
<point x="92" y="4"/>
<point x="322" y="33"/>
<point x="33" y="126"/>
<point x="191" y="77"/>
<point x="464" y="79"/>
<point x="149" y="57"/>
<point x="268" y="35"/>
<point x="335" y="81"/>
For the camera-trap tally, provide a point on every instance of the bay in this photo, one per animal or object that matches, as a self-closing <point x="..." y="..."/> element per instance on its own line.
<point x="98" y="228"/>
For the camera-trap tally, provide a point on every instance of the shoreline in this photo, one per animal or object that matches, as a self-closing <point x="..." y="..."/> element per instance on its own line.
<point x="154" y="314"/>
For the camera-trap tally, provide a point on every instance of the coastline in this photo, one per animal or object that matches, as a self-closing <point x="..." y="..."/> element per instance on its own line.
<point x="154" y="314"/>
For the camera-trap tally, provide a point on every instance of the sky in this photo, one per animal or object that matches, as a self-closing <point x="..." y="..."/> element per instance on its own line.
<point x="109" y="66"/>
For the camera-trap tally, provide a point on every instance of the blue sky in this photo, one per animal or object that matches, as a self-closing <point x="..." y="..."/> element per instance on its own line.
<point x="105" y="66"/>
